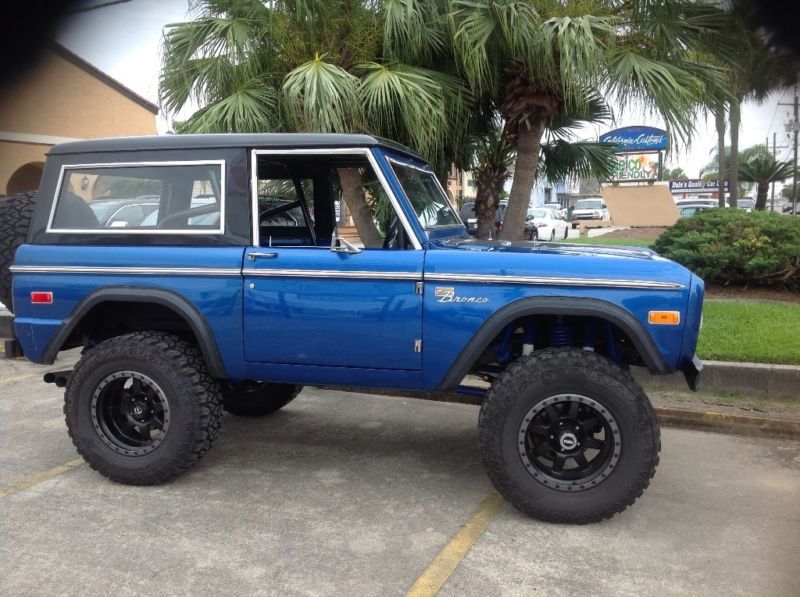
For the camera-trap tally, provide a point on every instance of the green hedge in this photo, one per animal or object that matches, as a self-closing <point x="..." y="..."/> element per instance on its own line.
<point x="730" y="246"/>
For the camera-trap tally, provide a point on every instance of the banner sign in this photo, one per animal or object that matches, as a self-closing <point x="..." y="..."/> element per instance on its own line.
<point x="636" y="138"/>
<point x="694" y="185"/>
<point x="629" y="167"/>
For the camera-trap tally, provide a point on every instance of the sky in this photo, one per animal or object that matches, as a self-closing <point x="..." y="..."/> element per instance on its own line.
<point x="123" y="40"/>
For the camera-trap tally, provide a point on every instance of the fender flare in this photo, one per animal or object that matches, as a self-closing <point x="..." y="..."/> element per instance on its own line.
<point x="133" y="294"/>
<point x="586" y="307"/>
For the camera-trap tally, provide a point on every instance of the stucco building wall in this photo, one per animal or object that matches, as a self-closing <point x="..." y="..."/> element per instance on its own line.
<point x="63" y="98"/>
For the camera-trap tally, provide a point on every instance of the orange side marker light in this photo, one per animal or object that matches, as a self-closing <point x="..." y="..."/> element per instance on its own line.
<point x="664" y="317"/>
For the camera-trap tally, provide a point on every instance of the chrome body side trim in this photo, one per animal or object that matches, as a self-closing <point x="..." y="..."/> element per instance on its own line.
<point x="354" y="274"/>
<point x="64" y="168"/>
<point x="148" y="271"/>
<point x="343" y="151"/>
<point x="336" y="274"/>
<point x="551" y="281"/>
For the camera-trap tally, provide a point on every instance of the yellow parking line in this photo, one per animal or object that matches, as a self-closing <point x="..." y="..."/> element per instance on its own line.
<point x="15" y="378"/>
<point x="29" y="482"/>
<point x="446" y="562"/>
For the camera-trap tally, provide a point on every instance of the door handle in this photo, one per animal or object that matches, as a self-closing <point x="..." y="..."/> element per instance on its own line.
<point x="254" y="256"/>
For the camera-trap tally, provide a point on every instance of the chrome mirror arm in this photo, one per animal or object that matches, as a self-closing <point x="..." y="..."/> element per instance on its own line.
<point x="340" y="245"/>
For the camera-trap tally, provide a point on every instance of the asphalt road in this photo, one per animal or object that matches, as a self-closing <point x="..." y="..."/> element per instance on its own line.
<point x="356" y="495"/>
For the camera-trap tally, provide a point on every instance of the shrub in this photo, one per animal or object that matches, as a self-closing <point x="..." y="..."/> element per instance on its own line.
<point x="730" y="246"/>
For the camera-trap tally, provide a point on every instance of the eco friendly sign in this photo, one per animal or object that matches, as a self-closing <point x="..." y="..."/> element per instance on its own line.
<point x="630" y="166"/>
<point x="636" y="139"/>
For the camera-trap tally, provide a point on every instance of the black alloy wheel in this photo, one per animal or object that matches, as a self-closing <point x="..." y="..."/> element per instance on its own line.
<point x="130" y="413"/>
<point x="569" y="442"/>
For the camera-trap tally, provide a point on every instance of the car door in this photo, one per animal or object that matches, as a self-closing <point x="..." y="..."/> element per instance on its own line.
<point x="306" y="304"/>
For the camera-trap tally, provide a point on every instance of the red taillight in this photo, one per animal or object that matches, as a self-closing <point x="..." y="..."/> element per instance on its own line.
<point x="42" y="298"/>
<point x="541" y="225"/>
<point x="500" y="227"/>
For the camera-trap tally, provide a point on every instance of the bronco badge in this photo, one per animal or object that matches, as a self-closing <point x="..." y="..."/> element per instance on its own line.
<point x="447" y="294"/>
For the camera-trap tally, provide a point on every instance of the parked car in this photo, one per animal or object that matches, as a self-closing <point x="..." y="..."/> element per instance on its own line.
<point x="559" y="211"/>
<point x="544" y="224"/>
<point x="589" y="209"/>
<point x="470" y="218"/>
<point x="747" y="204"/>
<point x="123" y="212"/>
<point x="687" y="211"/>
<point x="233" y="312"/>
<point x="698" y="201"/>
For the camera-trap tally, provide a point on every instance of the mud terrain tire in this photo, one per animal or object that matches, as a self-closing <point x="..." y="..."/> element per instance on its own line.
<point x="567" y="436"/>
<point x="16" y="212"/>
<point x="141" y="408"/>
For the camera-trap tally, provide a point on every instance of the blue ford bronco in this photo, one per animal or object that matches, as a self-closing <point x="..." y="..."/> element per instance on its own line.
<point x="224" y="272"/>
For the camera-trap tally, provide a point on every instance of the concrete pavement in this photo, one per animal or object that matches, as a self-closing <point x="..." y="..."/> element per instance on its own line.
<point x="355" y="494"/>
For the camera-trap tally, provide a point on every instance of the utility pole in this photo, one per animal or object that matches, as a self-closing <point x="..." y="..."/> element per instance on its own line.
<point x="774" y="155"/>
<point x="794" y="127"/>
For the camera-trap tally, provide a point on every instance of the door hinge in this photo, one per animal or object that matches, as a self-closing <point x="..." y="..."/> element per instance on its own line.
<point x="417" y="345"/>
<point x="419" y="287"/>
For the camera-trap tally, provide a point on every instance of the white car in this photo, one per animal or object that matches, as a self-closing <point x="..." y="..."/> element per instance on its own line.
<point x="545" y="224"/>
<point x="593" y="208"/>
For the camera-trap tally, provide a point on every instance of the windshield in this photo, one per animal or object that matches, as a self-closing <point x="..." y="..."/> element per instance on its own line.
<point x="536" y="213"/>
<point x="425" y="196"/>
<point x="589" y="204"/>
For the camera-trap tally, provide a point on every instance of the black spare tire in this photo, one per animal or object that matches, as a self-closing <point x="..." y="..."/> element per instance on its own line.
<point x="16" y="212"/>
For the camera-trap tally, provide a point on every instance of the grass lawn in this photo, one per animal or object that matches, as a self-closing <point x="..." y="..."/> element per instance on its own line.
<point x="750" y="331"/>
<point x="602" y="240"/>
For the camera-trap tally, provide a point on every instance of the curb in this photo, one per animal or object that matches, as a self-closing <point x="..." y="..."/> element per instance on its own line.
<point x="667" y="416"/>
<point x="725" y="423"/>
<point x="778" y="382"/>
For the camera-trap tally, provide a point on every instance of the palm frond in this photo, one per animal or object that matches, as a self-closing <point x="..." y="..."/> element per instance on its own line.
<point x="585" y="159"/>
<point x="323" y="97"/>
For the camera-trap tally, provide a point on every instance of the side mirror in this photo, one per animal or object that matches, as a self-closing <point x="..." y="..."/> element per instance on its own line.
<point x="339" y="245"/>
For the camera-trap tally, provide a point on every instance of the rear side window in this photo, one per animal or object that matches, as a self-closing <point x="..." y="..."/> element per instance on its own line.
<point x="155" y="198"/>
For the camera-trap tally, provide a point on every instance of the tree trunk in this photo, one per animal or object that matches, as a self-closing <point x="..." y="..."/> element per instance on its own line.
<point x="720" y="117"/>
<point x="489" y="186"/>
<point x="761" y="195"/>
<point x="356" y="201"/>
<point x="735" y="118"/>
<point x="529" y="143"/>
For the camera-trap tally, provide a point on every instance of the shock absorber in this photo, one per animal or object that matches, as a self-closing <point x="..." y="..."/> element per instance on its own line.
<point x="530" y="334"/>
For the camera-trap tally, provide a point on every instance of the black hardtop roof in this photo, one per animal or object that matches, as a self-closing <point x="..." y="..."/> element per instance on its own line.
<point x="251" y="141"/>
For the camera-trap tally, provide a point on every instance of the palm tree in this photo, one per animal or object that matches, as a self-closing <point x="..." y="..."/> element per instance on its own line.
<point x="758" y="165"/>
<point x="493" y="155"/>
<point x="305" y="66"/>
<point x="309" y="66"/>
<point x="536" y="59"/>
<point x="559" y="159"/>
<point x="755" y="71"/>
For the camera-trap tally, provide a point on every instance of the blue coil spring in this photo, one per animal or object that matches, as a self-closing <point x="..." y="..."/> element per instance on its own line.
<point x="561" y="333"/>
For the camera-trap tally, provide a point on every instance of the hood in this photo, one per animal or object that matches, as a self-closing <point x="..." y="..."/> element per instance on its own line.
<point x="555" y="264"/>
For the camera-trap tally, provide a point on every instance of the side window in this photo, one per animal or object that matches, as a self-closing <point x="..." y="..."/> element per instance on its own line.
<point x="285" y="206"/>
<point x="181" y="198"/>
<point x="302" y="199"/>
<point x="365" y="215"/>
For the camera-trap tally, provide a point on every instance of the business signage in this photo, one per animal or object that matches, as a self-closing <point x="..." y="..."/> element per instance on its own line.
<point x="694" y="185"/>
<point x="636" y="139"/>
<point x="631" y="166"/>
